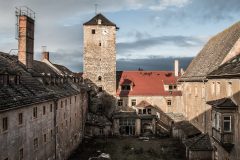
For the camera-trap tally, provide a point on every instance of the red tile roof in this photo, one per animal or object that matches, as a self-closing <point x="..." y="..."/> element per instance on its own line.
<point x="147" y="83"/>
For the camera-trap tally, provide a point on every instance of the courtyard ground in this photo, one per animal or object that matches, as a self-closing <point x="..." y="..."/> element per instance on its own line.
<point x="130" y="148"/>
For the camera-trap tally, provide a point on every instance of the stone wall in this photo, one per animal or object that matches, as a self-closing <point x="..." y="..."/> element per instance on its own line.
<point x="61" y="140"/>
<point x="100" y="56"/>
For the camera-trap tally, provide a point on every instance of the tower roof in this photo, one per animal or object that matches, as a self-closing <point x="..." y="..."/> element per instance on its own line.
<point x="104" y="21"/>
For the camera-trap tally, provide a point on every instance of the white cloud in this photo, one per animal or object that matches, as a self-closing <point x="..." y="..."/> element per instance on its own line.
<point x="163" y="4"/>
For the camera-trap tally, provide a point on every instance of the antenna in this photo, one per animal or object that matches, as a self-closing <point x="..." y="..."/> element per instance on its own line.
<point x="96" y="6"/>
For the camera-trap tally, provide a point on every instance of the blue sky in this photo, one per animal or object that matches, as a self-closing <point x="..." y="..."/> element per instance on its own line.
<point x="149" y="29"/>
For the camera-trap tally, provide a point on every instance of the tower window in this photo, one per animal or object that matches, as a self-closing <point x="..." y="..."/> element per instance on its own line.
<point x="93" y="31"/>
<point x="99" y="78"/>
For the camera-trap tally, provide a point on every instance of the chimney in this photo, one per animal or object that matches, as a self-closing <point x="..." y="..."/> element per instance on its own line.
<point x="176" y="68"/>
<point x="25" y="24"/>
<point x="182" y="71"/>
<point x="45" y="54"/>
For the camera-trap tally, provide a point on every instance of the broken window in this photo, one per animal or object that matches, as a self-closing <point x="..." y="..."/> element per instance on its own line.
<point x="139" y="111"/>
<point x="21" y="154"/>
<point x="133" y="102"/>
<point x="120" y="102"/>
<point x="144" y="111"/>
<point x="227" y="123"/>
<point x="44" y="110"/>
<point x="35" y="112"/>
<point x="126" y="87"/>
<point x="169" y="102"/>
<point x="149" y="111"/>
<point x="5" y="124"/>
<point x="35" y="143"/>
<point x="20" y="118"/>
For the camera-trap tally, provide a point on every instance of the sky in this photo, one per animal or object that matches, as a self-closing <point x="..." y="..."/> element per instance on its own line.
<point x="150" y="30"/>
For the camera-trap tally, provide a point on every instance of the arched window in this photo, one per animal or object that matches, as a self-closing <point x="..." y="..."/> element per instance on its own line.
<point x="99" y="78"/>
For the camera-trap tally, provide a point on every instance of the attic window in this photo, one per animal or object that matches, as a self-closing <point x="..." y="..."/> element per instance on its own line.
<point x="99" y="21"/>
<point x="93" y="31"/>
<point x="126" y="87"/>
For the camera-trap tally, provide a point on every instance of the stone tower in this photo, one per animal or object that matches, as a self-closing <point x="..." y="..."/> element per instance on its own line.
<point x="99" y="57"/>
<point x="25" y="24"/>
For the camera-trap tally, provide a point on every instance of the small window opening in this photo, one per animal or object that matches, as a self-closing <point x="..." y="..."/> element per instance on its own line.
<point x="93" y="31"/>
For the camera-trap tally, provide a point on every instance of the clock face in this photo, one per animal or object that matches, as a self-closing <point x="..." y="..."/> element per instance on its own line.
<point x="105" y="32"/>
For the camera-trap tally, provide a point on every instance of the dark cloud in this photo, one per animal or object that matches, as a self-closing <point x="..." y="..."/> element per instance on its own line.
<point x="180" y="41"/>
<point x="152" y="63"/>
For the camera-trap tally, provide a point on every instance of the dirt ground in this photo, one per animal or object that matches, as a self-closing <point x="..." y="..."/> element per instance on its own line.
<point x="130" y="148"/>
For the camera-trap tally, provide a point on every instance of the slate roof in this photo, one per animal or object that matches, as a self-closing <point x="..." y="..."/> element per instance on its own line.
<point x="212" y="54"/>
<point x="30" y="90"/>
<point x="230" y="69"/>
<point x="105" y="21"/>
<point x="224" y="103"/>
<point x="146" y="83"/>
<point x="144" y="104"/>
<point x="188" y="129"/>
<point x="199" y="143"/>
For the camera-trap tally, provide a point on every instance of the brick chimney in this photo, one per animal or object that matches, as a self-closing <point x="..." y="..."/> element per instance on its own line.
<point x="176" y="68"/>
<point x="25" y="23"/>
<point x="45" y="54"/>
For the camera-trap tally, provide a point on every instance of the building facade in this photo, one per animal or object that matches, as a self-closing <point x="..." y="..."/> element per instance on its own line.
<point x="43" y="105"/>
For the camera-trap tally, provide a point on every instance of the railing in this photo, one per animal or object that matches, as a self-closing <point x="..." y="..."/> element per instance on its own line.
<point x="224" y="138"/>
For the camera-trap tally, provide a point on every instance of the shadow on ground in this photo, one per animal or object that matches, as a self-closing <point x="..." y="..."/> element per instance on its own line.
<point x="130" y="148"/>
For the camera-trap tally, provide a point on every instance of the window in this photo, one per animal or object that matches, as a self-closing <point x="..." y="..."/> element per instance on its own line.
<point x="144" y="111"/>
<point x="61" y="104"/>
<point x="65" y="102"/>
<point x="227" y="123"/>
<point x="133" y="102"/>
<point x="170" y="87"/>
<point x="70" y="100"/>
<point x="101" y="131"/>
<point x="100" y="89"/>
<point x="139" y="111"/>
<point x="229" y="89"/>
<point x="99" y="78"/>
<point x="5" y="124"/>
<point x="196" y="91"/>
<point x="149" y="111"/>
<point x="44" y="138"/>
<point x="35" y="143"/>
<point x="1" y="79"/>
<point x="44" y="110"/>
<point x="218" y="88"/>
<point x="120" y="102"/>
<point x="20" y="118"/>
<point x="75" y="99"/>
<point x="51" y="107"/>
<point x="35" y="112"/>
<point x="21" y="154"/>
<point x="216" y="121"/>
<point x="93" y="31"/>
<point x="51" y="133"/>
<point x="126" y="87"/>
<point x="213" y="88"/>
<point x="203" y="92"/>
<point x="169" y="102"/>
<point x="99" y="44"/>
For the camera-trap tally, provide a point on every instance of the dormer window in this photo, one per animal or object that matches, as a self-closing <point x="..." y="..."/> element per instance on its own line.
<point x="126" y="87"/>
<point x="172" y="87"/>
<point x="223" y="111"/>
